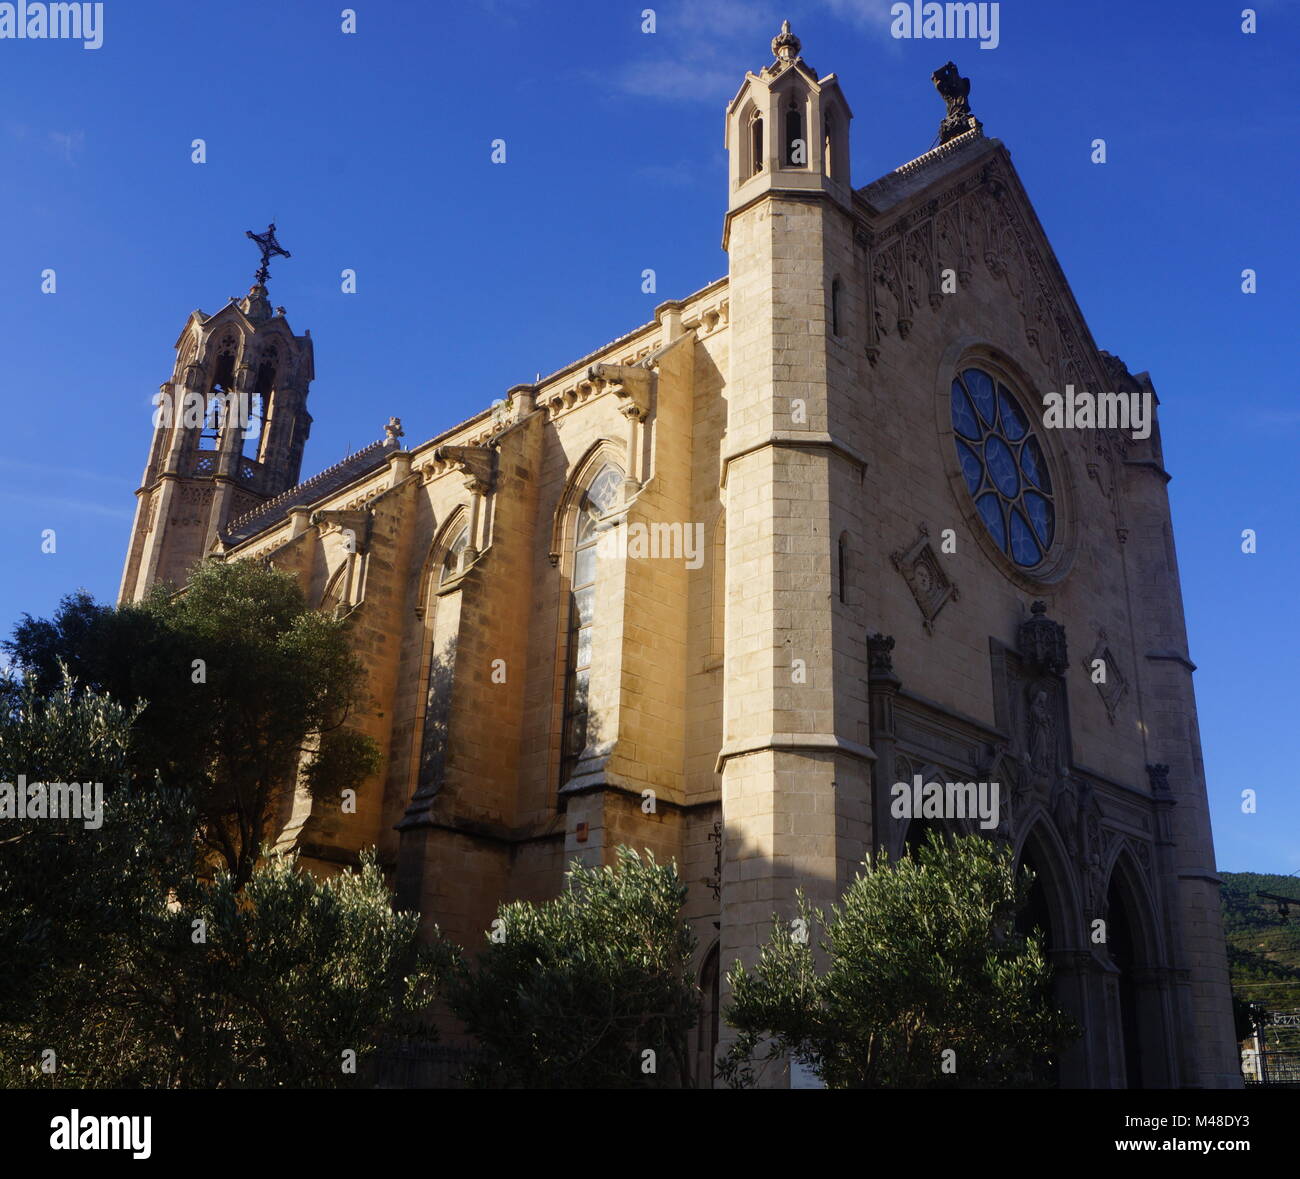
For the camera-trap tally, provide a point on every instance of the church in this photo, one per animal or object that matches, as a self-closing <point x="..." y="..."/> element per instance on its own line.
<point x="717" y="587"/>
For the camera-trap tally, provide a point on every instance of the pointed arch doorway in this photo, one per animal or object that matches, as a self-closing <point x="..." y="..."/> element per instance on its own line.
<point x="1143" y="1057"/>
<point x="1053" y="907"/>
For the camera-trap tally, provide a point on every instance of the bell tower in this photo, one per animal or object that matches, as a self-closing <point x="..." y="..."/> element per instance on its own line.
<point x="229" y="431"/>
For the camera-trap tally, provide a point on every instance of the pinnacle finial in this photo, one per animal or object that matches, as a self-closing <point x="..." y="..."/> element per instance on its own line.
<point x="785" y="45"/>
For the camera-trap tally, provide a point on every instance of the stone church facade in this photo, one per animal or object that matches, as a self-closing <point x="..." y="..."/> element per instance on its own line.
<point x="717" y="586"/>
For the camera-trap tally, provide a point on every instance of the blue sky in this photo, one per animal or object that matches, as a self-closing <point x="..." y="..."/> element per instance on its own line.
<point x="371" y="151"/>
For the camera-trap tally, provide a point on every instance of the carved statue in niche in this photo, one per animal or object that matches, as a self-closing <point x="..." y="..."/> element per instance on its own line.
<point x="921" y="267"/>
<point x="1000" y="769"/>
<point x="1013" y="782"/>
<point x="1091" y="848"/>
<point x="1041" y="743"/>
<point x="888" y="295"/>
<point x="952" y="243"/>
<point x="1065" y="810"/>
<point x="1011" y="263"/>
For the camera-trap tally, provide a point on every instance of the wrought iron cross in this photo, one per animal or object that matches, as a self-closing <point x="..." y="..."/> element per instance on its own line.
<point x="270" y="249"/>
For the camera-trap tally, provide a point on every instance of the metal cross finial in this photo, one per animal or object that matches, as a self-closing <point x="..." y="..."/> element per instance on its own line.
<point x="270" y="249"/>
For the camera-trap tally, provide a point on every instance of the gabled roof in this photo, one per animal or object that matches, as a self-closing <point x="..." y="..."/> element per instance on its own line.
<point x="952" y="164"/>
<point x="799" y="66"/>
<point x="319" y="486"/>
<point x="277" y="322"/>
<point x="919" y="174"/>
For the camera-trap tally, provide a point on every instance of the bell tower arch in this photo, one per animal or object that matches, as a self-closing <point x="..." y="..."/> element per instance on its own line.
<point x="788" y="130"/>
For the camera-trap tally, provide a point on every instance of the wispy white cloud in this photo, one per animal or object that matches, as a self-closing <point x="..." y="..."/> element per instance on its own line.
<point x="691" y="56"/>
<point x="695" y="50"/>
<point x="736" y="18"/>
<point x="677" y="80"/>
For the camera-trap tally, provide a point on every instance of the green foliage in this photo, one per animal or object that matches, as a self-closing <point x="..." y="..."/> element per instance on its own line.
<point x="578" y="989"/>
<point x="136" y="971"/>
<point x="1263" y="946"/>
<point x="279" y="683"/>
<point x="294" y="972"/>
<point x="74" y="898"/>
<point x="920" y="957"/>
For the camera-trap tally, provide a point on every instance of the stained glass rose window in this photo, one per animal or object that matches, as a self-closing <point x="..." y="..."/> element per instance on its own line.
<point x="1004" y="467"/>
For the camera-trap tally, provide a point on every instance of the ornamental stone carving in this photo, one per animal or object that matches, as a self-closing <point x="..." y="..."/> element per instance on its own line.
<point x="1042" y="643"/>
<point x="1104" y="673"/>
<point x="955" y="91"/>
<point x="926" y="578"/>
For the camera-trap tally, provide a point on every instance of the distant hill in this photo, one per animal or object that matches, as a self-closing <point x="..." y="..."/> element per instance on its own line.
<point x="1263" y="947"/>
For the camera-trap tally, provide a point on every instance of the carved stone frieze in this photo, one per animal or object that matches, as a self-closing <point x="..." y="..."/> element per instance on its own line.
<point x="195" y="496"/>
<point x="926" y="578"/>
<point x="629" y="382"/>
<point x="352" y="524"/>
<point x="979" y="217"/>
<point x="477" y="462"/>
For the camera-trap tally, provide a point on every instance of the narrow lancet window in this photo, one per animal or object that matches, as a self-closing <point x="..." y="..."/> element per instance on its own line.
<point x="796" y="148"/>
<point x="596" y="503"/>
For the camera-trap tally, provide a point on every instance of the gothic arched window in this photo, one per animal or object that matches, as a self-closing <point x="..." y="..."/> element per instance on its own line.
<point x="600" y="496"/>
<point x="1038" y="915"/>
<point x="1004" y="467"/>
<point x="252" y="433"/>
<point x="796" y="149"/>
<point x="756" y="145"/>
<point x="224" y="375"/>
<point x="718" y="589"/>
<point x="214" y="412"/>
<point x="213" y="421"/>
<point x="332" y="599"/>
<point x="452" y="562"/>
<point x="257" y="403"/>
<point x="441" y="631"/>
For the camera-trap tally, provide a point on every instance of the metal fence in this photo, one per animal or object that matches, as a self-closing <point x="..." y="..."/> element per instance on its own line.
<point x="1281" y="1068"/>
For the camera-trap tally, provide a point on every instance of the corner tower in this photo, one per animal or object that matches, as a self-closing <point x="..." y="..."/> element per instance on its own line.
<point x="229" y="431"/>
<point x="795" y="761"/>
